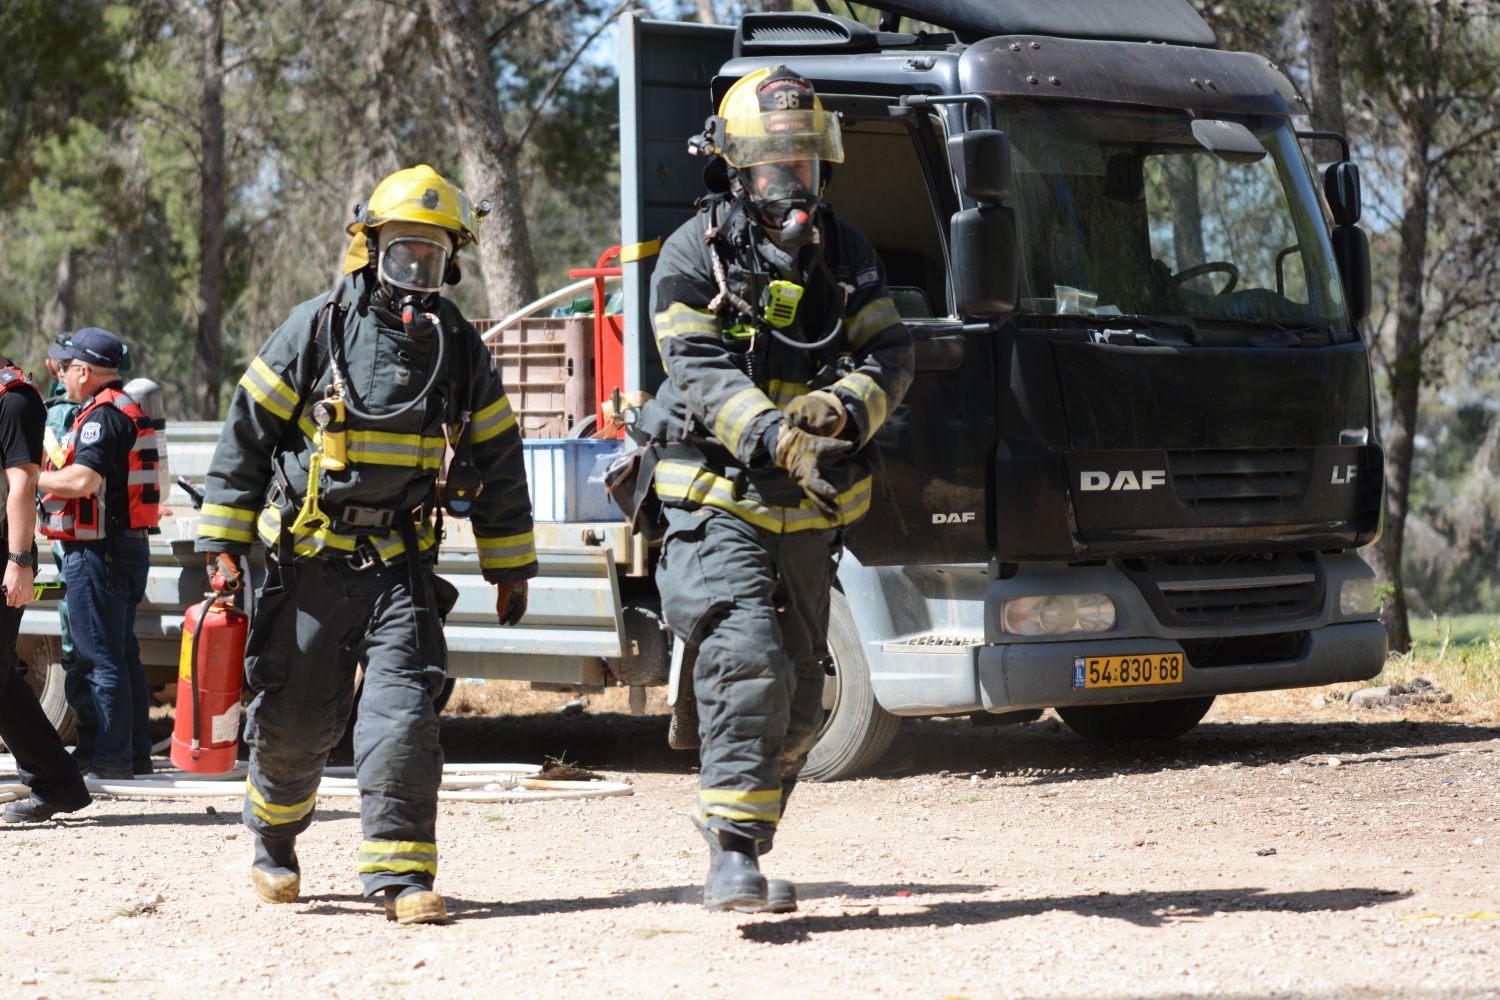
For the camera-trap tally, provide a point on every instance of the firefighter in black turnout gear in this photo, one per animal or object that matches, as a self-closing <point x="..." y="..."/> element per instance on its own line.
<point x="784" y="356"/>
<point x="330" y="455"/>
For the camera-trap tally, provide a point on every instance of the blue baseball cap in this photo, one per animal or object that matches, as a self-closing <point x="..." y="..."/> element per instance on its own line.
<point x="94" y="346"/>
<point x="59" y="349"/>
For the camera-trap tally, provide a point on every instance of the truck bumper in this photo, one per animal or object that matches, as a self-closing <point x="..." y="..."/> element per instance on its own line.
<point x="1041" y="675"/>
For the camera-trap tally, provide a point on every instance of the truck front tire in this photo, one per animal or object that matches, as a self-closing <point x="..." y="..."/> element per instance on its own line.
<point x="40" y="658"/>
<point x="1151" y="720"/>
<point x="857" y="731"/>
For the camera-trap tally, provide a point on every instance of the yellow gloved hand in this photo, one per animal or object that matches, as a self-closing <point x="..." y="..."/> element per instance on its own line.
<point x="801" y="454"/>
<point x="819" y="412"/>
<point x="510" y="602"/>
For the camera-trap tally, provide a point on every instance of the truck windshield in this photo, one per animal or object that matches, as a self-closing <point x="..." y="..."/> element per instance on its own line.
<point x="1123" y="213"/>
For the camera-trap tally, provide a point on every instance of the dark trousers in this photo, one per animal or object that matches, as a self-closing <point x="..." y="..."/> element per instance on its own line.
<point x="755" y="605"/>
<point x="76" y="687"/>
<point x="305" y="642"/>
<point x="41" y="759"/>
<point x="106" y="581"/>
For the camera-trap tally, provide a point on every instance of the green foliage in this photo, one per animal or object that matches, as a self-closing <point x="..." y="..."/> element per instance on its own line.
<point x="60" y="70"/>
<point x="1459" y="655"/>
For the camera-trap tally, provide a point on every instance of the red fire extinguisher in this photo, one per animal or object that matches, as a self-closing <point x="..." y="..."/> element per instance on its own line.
<point x="205" y="736"/>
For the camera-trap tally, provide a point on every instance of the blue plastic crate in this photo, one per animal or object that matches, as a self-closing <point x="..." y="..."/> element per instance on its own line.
<point x="566" y="479"/>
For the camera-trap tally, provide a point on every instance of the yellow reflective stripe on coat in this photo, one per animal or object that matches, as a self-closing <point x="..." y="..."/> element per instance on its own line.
<point x="678" y="320"/>
<point x="693" y="484"/>
<point x="410" y="451"/>
<point x="311" y="543"/>
<point x="278" y="815"/>
<point x="870" y="320"/>
<point x="229" y="523"/>
<point x="737" y="413"/>
<point x="492" y="420"/>
<point x="867" y="391"/>
<point x="760" y="806"/>
<point x="397" y="856"/>
<point x="505" y="552"/>
<point x="267" y="389"/>
<point x="783" y="393"/>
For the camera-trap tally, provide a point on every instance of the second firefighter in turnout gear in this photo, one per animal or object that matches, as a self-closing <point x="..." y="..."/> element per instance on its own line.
<point x="330" y="455"/>
<point x="784" y="357"/>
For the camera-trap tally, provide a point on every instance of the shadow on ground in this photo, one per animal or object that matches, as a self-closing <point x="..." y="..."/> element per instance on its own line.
<point x="1144" y="909"/>
<point x="1042" y="751"/>
<point x="876" y="907"/>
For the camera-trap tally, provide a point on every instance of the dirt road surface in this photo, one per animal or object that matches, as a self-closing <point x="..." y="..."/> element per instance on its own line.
<point x="1314" y="856"/>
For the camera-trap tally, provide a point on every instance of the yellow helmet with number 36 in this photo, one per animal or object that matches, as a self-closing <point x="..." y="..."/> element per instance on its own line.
<point x="772" y="115"/>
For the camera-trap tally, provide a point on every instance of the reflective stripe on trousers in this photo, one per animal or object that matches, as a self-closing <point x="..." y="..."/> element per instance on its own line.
<point x="758" y="675"/>
<point x="300" y="658"/>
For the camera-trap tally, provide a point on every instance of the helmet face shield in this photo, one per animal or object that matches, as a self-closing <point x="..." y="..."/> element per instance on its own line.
<point x="414" y="263"/>
<point x="779" y="136"/>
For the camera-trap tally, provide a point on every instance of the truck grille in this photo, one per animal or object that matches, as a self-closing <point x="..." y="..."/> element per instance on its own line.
<point x="1263" y="599"/>
<point x="1230" y="486"/>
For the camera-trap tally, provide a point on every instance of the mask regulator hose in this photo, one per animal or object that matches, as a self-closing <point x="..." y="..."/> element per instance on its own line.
<point x="417" y="324"/>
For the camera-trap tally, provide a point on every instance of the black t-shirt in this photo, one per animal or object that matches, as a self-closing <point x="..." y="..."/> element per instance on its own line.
<point x="22" y="418"/>
<point x="102" y="442"/>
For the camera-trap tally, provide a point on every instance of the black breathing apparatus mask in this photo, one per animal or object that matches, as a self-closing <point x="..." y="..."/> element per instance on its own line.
<point x="785" y="199"/>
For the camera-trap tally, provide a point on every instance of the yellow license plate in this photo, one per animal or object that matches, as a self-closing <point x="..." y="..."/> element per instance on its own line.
<point x="1135" y="670"/>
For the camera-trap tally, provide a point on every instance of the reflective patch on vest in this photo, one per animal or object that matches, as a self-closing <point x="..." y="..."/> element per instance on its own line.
<point x="869" y="276"/>
<point x="89" y="434"/>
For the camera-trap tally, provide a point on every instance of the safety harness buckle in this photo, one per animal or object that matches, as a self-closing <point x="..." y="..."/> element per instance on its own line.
<point x="364" y="556"/>
<point x="349" y="515"/>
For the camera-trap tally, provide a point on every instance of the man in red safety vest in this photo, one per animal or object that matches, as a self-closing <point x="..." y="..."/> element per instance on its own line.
<point x="101" y="501"/>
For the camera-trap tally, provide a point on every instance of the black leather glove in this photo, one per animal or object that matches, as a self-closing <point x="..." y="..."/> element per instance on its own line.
<point x="819" y="412"/>
<point x="510" y="602"/>
<point x="801" y="454"/>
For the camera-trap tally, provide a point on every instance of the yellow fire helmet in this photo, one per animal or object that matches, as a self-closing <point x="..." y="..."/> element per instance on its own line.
<point x="416" y="194"/>
<point x="772" y="115"/>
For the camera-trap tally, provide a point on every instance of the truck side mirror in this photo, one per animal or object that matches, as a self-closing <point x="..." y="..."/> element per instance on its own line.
<point x="1351" y="250"/>
<point x="982" y="240"/>
<point x="981" y="160"/>
<point x="1341" y="188"/>
<point x="986" y="271"/>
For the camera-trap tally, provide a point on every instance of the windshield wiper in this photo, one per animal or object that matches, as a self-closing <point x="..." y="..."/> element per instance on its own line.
<point x="1120" y="329"/>
<point x="1309" y="333"/>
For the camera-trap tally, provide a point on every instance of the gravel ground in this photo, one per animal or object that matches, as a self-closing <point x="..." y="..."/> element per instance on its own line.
<point x="1307" y="856"/>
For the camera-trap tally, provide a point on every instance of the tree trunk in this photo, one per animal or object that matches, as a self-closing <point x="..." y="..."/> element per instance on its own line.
<point x="488" y="160"/>
<point x="209" y="356"/>
<point x="1325" y="81"/>
<point x="1415" y="138"/>
<point x="706" y="12"/>
<point x="1187" y="212"/>
<point x="59" y="314"/>
<point x="393" y="35"/>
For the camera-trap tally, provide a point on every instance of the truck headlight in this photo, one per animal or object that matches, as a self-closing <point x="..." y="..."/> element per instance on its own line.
<point x="1357" y="597"/>
<point x="1058" y="614"/>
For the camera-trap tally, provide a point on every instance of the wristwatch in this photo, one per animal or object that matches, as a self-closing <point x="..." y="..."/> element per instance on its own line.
<point x="22" y="559"/>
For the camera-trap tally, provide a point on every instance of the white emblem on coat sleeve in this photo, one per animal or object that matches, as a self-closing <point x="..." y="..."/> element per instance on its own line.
<point x="89" y="434"/>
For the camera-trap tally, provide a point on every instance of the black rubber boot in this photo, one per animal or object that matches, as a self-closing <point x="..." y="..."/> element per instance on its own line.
<point x="781" y="896"/>
<point x="734" y="879"/>
<point x="275" y="873"/>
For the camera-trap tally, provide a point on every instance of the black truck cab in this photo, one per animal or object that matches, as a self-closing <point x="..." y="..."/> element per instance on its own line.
<point x="1140" y="449"/>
